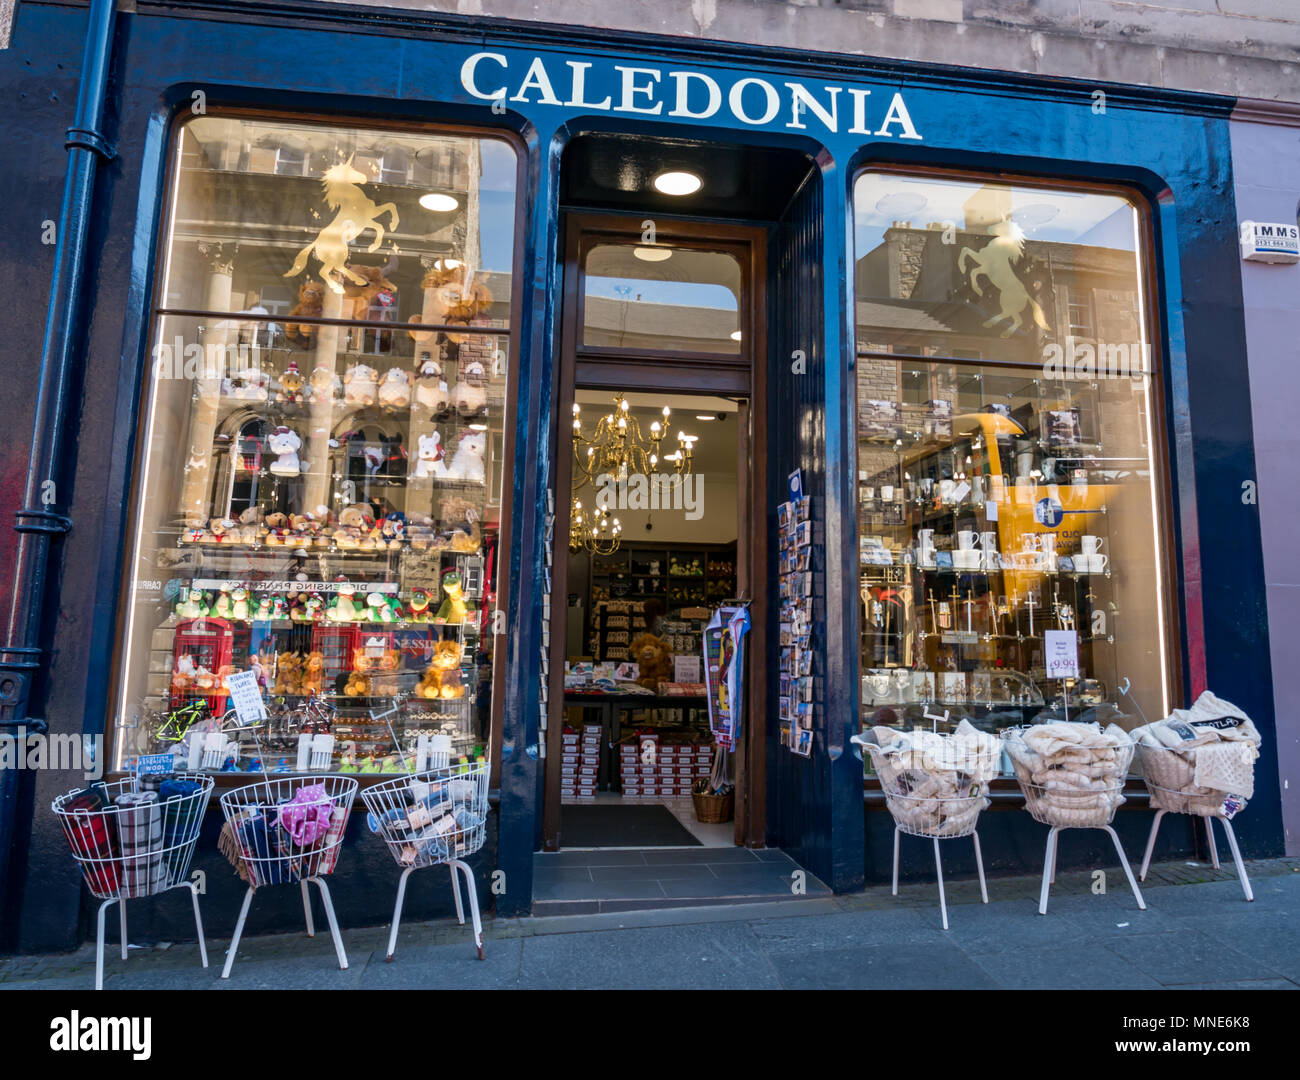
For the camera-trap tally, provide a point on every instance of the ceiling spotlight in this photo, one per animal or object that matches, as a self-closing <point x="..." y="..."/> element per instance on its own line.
<point x="478" y="427"/>
<point x="704" y="416"/>
<point x="652" y="254"/>
<point x="677" y="183"/>
<point x="439" y="203"/>
<point x="735" y="335"/>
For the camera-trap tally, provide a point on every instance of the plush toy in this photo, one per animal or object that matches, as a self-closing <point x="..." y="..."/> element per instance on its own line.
<point x="360" y="385"/>
<point x="358" y="685"/>
<point x="418" y="606"/>
<point x="467" y="303"/>
<point x="313" y="608"/>
<point x="313" y="673"/>
<point x="291" y="385"/>
<point x="420" y="534"/>
<point x="429" y="458"/>
<point x="258" y="668"/>
<point x="224" y="608"/>
<point x="311" y="302"/>
<point x="250" y="530"/>
<point x="458" y="518"/>
<point x="247" y="384"/>
<point x="441" y="679"/>
<point x="325" y="387"/>
<point x="378" y="609"/>
<point x="454" y="609"/>
<point x="262" y="613"/>
<point x="218" y="531"/>
<point x="276" y="527"/>
<point x="470" y="396"/>
<point x="393" y="530"/>
<point x="431" y="393"/>
<point x="285" y="444"/>
<point x="344" y="608"/>
<point x="654" y="659"/>
<point x="369" y="299"/>
<point x="193" y="604"/>
<point x="239" y="603"/>
<point x="279" y="608"/>
<point x="467" y="463"/>
<point x="395" y="390"/>
<point x="288" y="674"/>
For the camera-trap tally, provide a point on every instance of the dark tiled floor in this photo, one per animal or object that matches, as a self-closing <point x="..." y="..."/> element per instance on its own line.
<point x="591" y="881"/>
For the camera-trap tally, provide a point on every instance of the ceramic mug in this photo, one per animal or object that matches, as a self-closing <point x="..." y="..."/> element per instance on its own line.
<point x="1090" y="545"/>
<point x="1047" y="541"/>
<point x="966" y="539"/>
<point x="966" y="559"/>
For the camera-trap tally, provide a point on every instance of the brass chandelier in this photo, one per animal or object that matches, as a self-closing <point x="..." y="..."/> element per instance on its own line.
<point x="616" y="451"/>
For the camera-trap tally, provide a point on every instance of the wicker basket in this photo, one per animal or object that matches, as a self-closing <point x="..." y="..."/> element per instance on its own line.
<point x="714" y="809"/>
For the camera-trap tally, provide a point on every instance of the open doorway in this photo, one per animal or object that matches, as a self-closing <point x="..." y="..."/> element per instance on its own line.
<point x="652" y="555"/>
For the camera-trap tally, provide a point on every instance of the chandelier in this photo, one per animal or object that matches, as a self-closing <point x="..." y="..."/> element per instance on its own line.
<point x="593" y="530"/>
<point x="617" y="448"/>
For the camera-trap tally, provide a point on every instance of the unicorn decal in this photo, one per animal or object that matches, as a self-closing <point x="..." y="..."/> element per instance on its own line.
<point x="354" y="214"/>
<point x="993" y="263"/>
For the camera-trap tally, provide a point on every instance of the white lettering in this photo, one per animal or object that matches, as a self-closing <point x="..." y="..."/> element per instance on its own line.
<point x="736" y="99"/>
<point x="800" y="97"/>
<point x="859" y="111"/>
<point x="682" y="79"/>
<point x="538" y="80"/>
<point x="898" y="114"/>
<point x="580" y="85"/>
<point x="631" y="89"/>
<point x="468" y="68"/>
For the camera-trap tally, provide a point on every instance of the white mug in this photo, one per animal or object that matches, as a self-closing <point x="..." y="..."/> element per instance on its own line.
<point x="946" y="488"/>
<point x="1090" y="545"/>
<point x="989" y="541"/>
<point x="1030" y="541"/>
<point x="966" y="559"/>
<point x="1047" y="541"/>
<point x="887" y="493"/>
<point x="966" y="539"/>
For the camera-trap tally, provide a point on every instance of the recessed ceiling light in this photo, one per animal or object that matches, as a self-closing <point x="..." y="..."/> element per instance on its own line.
<point x="478" y="427"/>
<point x="652" y="254"/>
<point x="677" y="183"/>
<point x="438" y="202"/>
<point x="705" y="416"/>
<point x="735" y="335"/>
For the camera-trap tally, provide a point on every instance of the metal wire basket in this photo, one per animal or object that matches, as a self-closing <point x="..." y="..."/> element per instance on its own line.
<point x="132" y="842"/>
<point x="290" y="829"/>
<point x="938" y="804"/>
<point x="283" y="831"/>
<point x="1170" y="777"/>
<point x="432" y="818"/>
<point x="1053" y="797"/>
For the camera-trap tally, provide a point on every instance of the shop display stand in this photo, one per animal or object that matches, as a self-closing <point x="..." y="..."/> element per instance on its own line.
<point x="1195" y="802"/>
<point x="134" y="851"/>
<point x="271" y="856"/>
<point x="906" y="808"/>
<point x="433" y="818"/>
<point x="1061" y="810"/>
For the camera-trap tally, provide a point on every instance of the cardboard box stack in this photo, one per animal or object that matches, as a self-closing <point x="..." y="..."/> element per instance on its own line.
<point x="675" y="768"/>
<point x="580" y="762"/>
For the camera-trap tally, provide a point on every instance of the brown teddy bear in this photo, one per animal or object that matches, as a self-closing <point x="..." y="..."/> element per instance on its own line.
<point x="358" y="685"/>
<point x="288" y="675"/>
<point x="441" y="678"/>
<point x="361" y="298"/>
<point x="654" y="659"/>
<point x="313" y="674"/>
<point x="311" y="302"/>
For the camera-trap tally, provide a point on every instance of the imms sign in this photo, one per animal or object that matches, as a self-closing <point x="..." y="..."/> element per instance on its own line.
<point x="691" y="95"/>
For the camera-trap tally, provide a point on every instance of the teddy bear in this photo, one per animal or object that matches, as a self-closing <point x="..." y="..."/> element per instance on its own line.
<point x="459" y="519"/>
<point x="218" y="531"/>
<point x="431" y="393"/>
<point x="360" y="299"/>
<point x="454" y="609"/>
<point x="360" y="385"/>
<point x="183" y="675"/>
<point x="470" y="396"/>
<point x="429" y="457"/>
<point x="288" y="674"/>
<point x="247" y="384"/>
<point x="395" y="390"/>
<point x="378" y="608"/>
<point x="313" y="673"/>
<point x="311" y="302"/>
<point x="324" y="386"/>
<point x="420" y="533"/>
<point x="250" y="529"/>
<point x="467" y="462"/>
<point x="285" y="444"/>
<point x="654" y="659"/>
<point x="441" y="679"/>
<point x="275" y="529"/>
<point x="392" y="530"/>
<point x="291" y="385"/>
<point x="358" y="685"/>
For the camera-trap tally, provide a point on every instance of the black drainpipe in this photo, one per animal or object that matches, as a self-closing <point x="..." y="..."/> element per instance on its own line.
<point x="39" y="520"/>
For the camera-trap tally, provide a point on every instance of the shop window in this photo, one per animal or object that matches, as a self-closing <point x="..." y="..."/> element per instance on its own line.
<point x="655" y="296"/>
<point x="1008" y="485"/>
<point x="319" y="494"/>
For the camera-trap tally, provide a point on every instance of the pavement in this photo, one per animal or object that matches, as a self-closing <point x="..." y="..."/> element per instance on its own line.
<point x="1198" y="932"/>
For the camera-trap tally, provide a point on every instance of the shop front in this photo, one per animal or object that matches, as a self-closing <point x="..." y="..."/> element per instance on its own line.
<point x="375" y="308"/>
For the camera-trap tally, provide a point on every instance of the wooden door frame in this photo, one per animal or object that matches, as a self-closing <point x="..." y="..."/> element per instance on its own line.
<point x="655" y="371"/>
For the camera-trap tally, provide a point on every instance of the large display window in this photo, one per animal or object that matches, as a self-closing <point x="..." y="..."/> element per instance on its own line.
<point x="324" y="451"/>
<point x="1011" y="511"/>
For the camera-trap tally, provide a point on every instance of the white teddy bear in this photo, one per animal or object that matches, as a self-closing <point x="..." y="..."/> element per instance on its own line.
<point x="360" y="385"/>
<point x="395" y="390"/>
<point x="431" y="389"/>
<point x="467" y="463"/>
<point x="428" y="459"/>
<point x="285" y="443"/>
<point x="470" y="395"/>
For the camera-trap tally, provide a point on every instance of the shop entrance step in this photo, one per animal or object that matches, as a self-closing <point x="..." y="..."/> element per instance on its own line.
<point x="589" y="881"/>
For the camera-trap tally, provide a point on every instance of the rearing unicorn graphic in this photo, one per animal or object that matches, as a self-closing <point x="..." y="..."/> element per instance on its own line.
<point x="355" y="214"/>
<point x="993" y="263"/>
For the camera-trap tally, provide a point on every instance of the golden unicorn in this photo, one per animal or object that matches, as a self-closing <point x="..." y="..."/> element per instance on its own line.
<point x="993" y="263"/>
<point x="355" y="214"/>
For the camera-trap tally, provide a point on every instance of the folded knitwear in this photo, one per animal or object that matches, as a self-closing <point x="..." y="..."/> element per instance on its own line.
<point x="1218" y="739"/>
<point x="1072" y="773"/>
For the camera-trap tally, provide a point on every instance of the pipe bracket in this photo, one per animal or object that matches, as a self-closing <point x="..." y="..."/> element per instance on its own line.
<point x="42" y="521"/>
<point x="88" y="139"/>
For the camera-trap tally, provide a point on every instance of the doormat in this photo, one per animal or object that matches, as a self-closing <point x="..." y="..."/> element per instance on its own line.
<point x="612" y="825"/>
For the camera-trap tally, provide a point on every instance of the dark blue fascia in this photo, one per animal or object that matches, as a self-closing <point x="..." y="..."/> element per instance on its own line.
<point x="360" y="63"/>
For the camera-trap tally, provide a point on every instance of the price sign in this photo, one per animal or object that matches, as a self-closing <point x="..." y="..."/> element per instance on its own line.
<point x="1062" y="654"/>
<point x="246" y="697"/>
<point x="155" y="765"/>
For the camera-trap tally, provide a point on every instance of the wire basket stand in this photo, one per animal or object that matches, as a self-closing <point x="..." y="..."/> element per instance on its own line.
<point x="1062" y="808"/>
<point x="1169" y="777"/>
<point x="918" y="812"/>
<point x="430" y="819"/>
<point x="131" y="844"/>
<point x="286" y="831"/>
